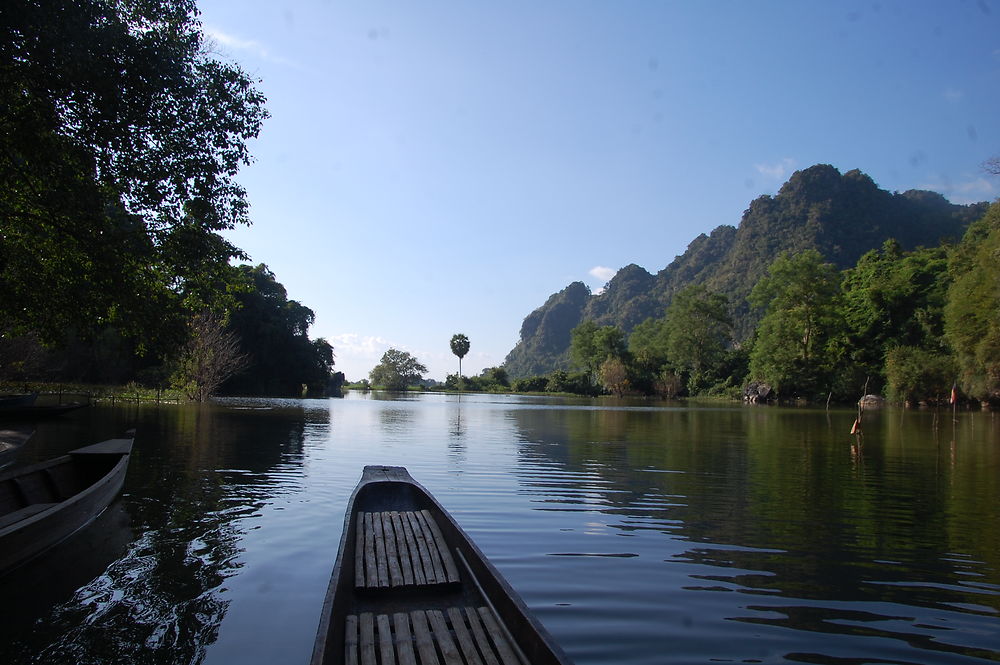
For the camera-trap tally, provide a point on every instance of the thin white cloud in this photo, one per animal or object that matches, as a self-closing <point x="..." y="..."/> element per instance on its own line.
<point x="777" y="171"/>
<point x="953" y="95"/>
<point x="602" y="273"/>
<point x="972" y="190"/>
<point x="247" y="45"/>
<point x="353" y="344"/>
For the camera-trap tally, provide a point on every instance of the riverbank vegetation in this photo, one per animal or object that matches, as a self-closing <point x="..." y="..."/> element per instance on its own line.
<point x="121" y="138"/>
<point x="913" y="325"/>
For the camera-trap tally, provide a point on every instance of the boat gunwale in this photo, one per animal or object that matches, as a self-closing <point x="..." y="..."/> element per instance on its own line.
<point x="114" y="472"/>
<point x="495" y="589"/>
<point x="27" y="538"/>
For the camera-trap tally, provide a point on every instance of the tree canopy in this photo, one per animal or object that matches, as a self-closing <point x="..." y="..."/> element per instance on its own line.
<point x="397" y="370"/>
<point x="273" y="333"/>
<point x="798" y="297"/>
<point x="972" y="324"/>
<point x="119" y="144"/>
<point x="120" y="140"/>
<point x="460" y="347"/>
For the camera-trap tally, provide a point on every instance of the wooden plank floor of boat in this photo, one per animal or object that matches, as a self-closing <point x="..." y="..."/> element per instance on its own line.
<point x="455" y="636"/>
<point x="396" y="549"/>
<point x="401" y="548"/>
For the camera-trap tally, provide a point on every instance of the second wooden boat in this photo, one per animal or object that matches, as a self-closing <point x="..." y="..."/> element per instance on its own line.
<point x="23" y="399"/>
<point x="411" y="587"/>
<point x="43" y="503"/>
<point x="38" y="411"/>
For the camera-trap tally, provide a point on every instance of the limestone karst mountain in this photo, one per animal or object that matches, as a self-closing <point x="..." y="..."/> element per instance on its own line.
<point x="841" y="215"/>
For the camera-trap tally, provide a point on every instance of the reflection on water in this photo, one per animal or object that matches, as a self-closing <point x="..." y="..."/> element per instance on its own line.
<point x="638" y="532"/>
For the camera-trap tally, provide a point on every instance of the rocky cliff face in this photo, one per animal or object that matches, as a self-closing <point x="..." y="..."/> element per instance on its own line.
<point x="545" y="333"/>
<point x="841" y="215"/>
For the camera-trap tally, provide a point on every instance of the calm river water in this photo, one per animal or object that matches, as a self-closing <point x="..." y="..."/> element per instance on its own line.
<point x="638" y="533"/>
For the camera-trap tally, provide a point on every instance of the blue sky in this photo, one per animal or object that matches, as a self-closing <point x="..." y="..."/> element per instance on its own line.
<point x="441" y="167"/>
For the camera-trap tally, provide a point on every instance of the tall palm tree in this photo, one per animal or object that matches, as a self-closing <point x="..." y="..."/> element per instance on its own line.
<point x="459" y="346"/>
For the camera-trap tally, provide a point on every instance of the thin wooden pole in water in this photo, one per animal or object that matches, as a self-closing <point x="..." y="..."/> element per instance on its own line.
<point x="856" y="428"/>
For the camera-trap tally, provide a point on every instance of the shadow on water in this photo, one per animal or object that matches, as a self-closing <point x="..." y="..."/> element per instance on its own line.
<point x="891" y="536"/>
<point x="145" y="582"/>
<point x="639" y="533"/>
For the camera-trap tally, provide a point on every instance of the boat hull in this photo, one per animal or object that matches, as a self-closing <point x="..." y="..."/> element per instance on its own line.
<point x="457" y="601"/>
<point x="45" y="503"/>
<point x="28" y="412"/>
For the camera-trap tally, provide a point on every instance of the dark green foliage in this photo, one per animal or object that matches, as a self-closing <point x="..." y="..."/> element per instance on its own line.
<point x="459" y="346"/>
<point x="893" y="299"/>
<point x="591" y="345"/>
<point x="491" y="380"/>
<point x="578" y="383"/>
<point x="972" y="322"/>
<point x="273" y="333"/>
<point x="697" y="333"/>
<point x="915" y="374"/>
<point x="119" y="143"/>
<point x="626" y="301"/>
<point x="530" y="384"/>
<point x="690" y="343"/>
<point x="794" y="350"/>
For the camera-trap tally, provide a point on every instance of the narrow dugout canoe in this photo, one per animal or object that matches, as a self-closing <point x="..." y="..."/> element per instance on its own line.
<point x="38" y="411"/>
<point x="410" y="587"/>
<point x="44" y="503"/>
<point x="25" y="399"/>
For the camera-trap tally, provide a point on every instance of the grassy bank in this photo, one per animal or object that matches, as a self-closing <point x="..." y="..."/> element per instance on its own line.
<point x="73" y="392"/>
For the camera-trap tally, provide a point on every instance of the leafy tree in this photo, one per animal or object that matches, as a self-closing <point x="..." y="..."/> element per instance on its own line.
<point x="591" y="345"/>
<point x="798" y="296"/>
<point x="582" y="348"/>
<point x="649" y="340"/>
<point x="613" y="376"/>
<point x="690" y="341"/>
<point x="274" y="335"/>
<point x="561" y="381"/>
<point x="494" y="378"/>
<point x="397" y="370"/>
<point x="893" y="299"/>
<point x="916" y="374"/>
<point x="120" y="140"/>
<point x="211" y="355"/>
<point x="459" y="346"/>
<point x="667" y="383"/>
<point x="530" y="384"/>
<point x="697" y="331"/>
<point x="972" y="326"/>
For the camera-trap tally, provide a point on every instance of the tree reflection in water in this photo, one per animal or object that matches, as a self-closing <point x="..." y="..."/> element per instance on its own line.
<point x="196" y="477"/>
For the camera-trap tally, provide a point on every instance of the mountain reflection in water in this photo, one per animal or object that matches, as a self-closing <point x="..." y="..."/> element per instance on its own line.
<point x="637" y="532"/>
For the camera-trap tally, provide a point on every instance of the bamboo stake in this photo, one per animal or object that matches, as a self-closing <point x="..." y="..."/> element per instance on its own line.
<point x="856" y="428"/>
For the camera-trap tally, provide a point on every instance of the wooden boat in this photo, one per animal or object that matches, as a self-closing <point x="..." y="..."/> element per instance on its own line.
<point x="25" y="399"/>
<point x="411" y="587"/>
<point x="38" y="411"/>
<point x="44" y="503"/>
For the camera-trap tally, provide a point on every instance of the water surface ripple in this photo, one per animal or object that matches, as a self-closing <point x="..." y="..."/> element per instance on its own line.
<point x="638" y="532"/>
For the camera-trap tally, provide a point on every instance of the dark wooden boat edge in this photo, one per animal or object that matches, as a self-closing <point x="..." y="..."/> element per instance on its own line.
<point x="29" y="537"/>
<point x="39" y="411"/>
<point x="506" y="603"/>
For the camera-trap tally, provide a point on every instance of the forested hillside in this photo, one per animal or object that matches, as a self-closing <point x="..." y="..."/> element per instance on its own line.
<point x="842" y="216"/>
